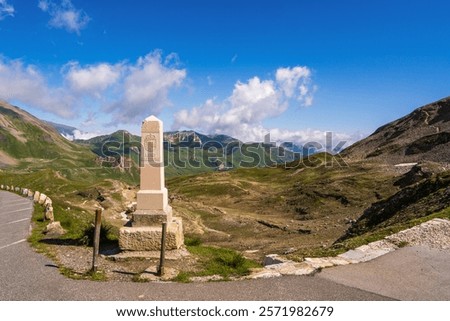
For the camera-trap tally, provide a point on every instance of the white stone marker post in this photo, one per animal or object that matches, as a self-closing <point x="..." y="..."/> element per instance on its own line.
<point x="152" y="202"/>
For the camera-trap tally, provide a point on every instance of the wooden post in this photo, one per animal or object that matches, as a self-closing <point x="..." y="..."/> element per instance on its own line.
<point x="98" y="224"/>
<point x="162" y="258"/>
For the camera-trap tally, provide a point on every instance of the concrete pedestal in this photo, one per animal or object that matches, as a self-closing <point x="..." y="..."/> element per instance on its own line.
<point x="148" y="238"/>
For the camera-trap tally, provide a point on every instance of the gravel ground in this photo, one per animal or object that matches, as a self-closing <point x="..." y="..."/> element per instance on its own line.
<point x="434" y="234"/>
<point x="116" y="267"/>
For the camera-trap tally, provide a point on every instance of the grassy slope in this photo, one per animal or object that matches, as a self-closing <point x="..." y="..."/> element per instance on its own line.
<point x="301" y="210"/>
<point x="230" y="208"/>
<point x="49" y="163"/>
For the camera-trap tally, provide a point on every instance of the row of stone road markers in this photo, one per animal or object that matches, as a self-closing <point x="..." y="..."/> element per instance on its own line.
<point x="54" y="227"/>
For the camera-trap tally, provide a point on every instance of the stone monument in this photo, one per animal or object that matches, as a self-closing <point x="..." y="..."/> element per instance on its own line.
<point x="152" y="207"/>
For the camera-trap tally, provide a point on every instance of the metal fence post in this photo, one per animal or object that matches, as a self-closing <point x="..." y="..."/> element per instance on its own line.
<point x="163" y="250"/>
<point x="98" y="224"/>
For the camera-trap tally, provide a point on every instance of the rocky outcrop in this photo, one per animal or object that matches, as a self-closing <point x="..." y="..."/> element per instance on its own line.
<point x="415" y="175"/>
<point x="418" y="200"/>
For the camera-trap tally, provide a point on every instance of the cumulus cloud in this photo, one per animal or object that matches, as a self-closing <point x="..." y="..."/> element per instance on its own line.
<point x="78" y="134"/>
<point x="254" y="101"/>
<point x="243" y="112"/>
<point x="240" y="114"/>
<point x="127" y="91"/>
<point x="146" y="86"/>
<point x="27" y="84"/>
<point x="6" y="10"/>
<point x="64" y="15"/>
<point x="93" y="79"/>
<point x="211" y="118"/>
<point x="295" y="82"/>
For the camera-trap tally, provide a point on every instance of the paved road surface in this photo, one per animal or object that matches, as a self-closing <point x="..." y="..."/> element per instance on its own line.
<point x="410" y="273"/>
<point x="26" y="275"/>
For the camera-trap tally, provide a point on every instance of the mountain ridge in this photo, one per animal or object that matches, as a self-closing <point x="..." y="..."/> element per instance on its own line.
<point x="422" y="135"/>
<point x="24" y="138"/>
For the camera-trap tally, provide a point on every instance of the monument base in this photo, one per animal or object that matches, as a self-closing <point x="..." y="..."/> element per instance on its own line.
<point x="152" y="199"/>
<point x="148" y="238"/>
<point x="151" y="217"/>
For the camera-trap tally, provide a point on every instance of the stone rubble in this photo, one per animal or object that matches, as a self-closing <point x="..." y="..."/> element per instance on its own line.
<point x="434" y="233"/>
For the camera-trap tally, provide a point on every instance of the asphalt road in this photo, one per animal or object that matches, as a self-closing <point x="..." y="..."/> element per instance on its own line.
<point x="409" y="273"/>
<point x="26" y="275"/>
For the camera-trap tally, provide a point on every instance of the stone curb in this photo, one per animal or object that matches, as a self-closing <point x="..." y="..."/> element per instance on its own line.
<point x="276" y="265"/>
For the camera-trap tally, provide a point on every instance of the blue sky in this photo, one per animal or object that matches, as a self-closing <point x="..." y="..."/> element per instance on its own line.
<point x="292" y="68"/>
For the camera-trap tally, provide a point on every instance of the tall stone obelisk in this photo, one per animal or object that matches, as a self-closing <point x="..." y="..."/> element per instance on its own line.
<point x="152" y="205"/>
<point x="152" y="202"/>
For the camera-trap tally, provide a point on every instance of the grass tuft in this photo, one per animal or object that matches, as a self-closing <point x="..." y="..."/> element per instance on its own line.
<point x="192" y="241"/>
<point x="182" y="277"/>
<point x="219" y="261"/>
<point x="108" y="234"/>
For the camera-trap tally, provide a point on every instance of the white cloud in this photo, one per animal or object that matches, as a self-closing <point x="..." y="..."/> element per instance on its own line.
<point x="64" y="15"/>
<point x="242" y="114"/>
<point x="254" y="101"/>
<point x="209" y="120"/>
<point x="295" y="83"/>
<point x="146" y="87"/>
<point x="27" y="84"/>
<point x="126" y="92"/>
<point x="250" y="103"/>
<point x="43" y="5"/>
<point x="6" y="10"/>
<point x="78" y="134"/>
<point x="93" y="79"/>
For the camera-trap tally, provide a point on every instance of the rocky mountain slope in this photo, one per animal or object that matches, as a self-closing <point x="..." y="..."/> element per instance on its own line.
<point x="423" y="135"/>
<point x="25" y="139"/>
<point x="66" y="131"/>
<point x="190" y="138"/>
<point x="423" y="193"/>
